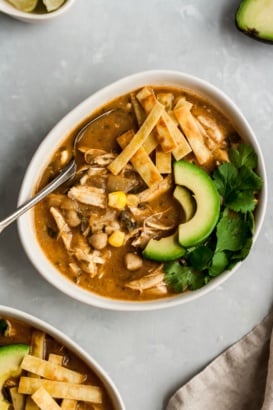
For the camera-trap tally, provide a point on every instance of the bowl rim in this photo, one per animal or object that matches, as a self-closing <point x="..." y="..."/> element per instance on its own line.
<point x="76" y="116"/>
<point x="12" y="11"/>
<point x="72" y="346"/>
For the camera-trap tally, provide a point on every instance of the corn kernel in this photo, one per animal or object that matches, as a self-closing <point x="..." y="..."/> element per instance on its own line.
<point x="117" y="200"/>
<point x="116" y="239"/>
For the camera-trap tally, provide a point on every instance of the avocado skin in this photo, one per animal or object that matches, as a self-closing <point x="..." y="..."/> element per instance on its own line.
<point x="251" y="32"/>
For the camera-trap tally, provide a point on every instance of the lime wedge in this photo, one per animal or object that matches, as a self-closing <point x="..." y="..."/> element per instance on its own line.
<point x="24" y="5"/>
<point x="52" y="5"/>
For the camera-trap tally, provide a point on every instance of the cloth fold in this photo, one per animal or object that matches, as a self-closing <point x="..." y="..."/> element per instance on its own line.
<point x="239" y="379"/>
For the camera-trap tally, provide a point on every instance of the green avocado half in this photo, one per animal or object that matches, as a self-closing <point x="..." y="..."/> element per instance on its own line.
<point x="164" y="249"/>
<point x="255" y="18"/>
<point x="11" y="357"/>
<point x="202" y="223"/>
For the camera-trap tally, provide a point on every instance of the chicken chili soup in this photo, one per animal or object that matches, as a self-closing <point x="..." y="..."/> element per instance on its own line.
<point x="162" y="202"/>
<point x="38" y="372"/>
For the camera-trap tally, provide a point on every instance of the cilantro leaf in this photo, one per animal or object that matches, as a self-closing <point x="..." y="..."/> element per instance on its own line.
<point x="248" y="179"/>
<point x="219" y="263"/>
<point x="237" y="186"/>
<point x="225" y="178"/>
<point x="241" y="201"/>
<point x="242" y="254"/>
<point x="180" y="278"/>
<point x="243" y="155"/>
<point x="200" y="258"/>
<point x="232" y="232"/>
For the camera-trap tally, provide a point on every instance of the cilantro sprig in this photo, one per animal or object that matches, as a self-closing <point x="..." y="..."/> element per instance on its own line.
<point x="238" y="185"/>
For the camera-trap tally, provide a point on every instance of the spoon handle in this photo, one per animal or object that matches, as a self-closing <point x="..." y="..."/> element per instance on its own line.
<point x="64" y="175"/>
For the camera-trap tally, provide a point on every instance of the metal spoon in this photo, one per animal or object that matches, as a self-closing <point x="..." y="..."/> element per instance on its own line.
<point x="65" y="174"/>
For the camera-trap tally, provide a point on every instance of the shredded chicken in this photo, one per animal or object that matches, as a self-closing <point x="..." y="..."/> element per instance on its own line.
<point x="65" y="231"/>
<point x="152" y="280"/>
<point x="88" y="195"/>
<point x="156" y="190"/>
<point x="212" y="128"/>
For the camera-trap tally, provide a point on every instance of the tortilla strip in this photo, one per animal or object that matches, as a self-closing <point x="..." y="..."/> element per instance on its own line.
<point x="44" y="400"/>
<point x="166" y="99"/>
<point x="56" y="359"/>
<point x="182" y="102"/>
<point x="38" y="344"/>
<point x="141" y="160"/>
<point x="17" y="399"/>
<point x="50" y="370"/>
<point x="163" y="161"/>
<point x="139" y="113"/>
<point x="155" y="190"/>
<point x="66" y="403"/>
<point x="150" y="143"/>
<point x="168" y="132"/>
<point x="183" y="148"/>
<point x="147" y="99"/>
<point x="188" y="124"/>
<point x="124" y="157"/>
<point x="30" y="405"/>
<point x="61" y="390"/>
<point x="38" y="350"/>
<point x="165" y="138"/>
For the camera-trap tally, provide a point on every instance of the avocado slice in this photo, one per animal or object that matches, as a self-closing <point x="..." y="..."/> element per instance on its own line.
<point x="255" y="18"/>
<point x="11" y="357"/>
<point x="164" y="249"/>
<point x="186" y="200"/>
<point x="199" y="227"/>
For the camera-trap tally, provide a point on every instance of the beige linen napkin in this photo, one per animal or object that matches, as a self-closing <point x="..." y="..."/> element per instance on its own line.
<point x="239" y="379"/>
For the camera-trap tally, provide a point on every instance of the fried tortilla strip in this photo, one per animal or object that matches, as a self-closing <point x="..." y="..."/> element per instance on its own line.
<point x="30" y="405"/>
<point x="38" y="344"/>
<point x="188" y="124"/>
<point x="182" y="102"/>
<point x="169" y="136"/>
<point x="126" y="154"/>
<point x="141" y="160"/>
<point x="139" y="113"/>
<point x="154" y="191"/>
<point x="151" y="141"/>
<point x="61" y="390"/>
<point x="163" y="161"/>
<point x="56" y="359"/>
<point x="183" y="148"/>
<point x="50" y="370"/>
<point x="17" y="399"/>
<point x="148" y="100"/>
<point x="166" y="99"/>
<point x="66" y="403"/>
<point x="44" y="401"/>
<point x="38" y="350"/>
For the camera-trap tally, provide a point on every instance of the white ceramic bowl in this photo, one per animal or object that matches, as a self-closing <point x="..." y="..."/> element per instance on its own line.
<point x="10" y="10"/>
<point x="70" y="345"/>
<point x="59" y="132"/>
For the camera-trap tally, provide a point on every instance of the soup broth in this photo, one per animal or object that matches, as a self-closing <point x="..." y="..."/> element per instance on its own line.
<point x="95" y="229"/>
